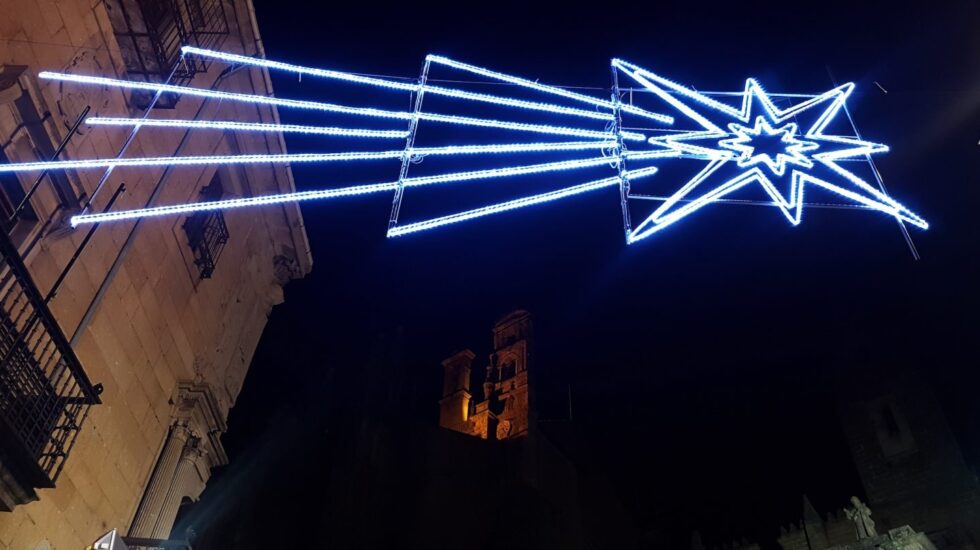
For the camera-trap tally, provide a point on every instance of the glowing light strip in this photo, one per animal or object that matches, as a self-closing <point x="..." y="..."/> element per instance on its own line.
<point x="395" y="85"/>
<point x="307" y="157"/>
<point x="226" y="204"/>
<point x="750" y="202"/>
<point x="798" y="152"/>
<point x="506" y="172"/>
<point x="511" y="148"/>
<point x="606" y="104"/>
<point x="231" y="96"/>
<point x="329" y="107"/>
<point x="516" y="203"/>
<point x="198" y="160"/>
<point x="716" y="143"/>
<point x="324" y="73"/>
<point x="523" y="127"/>
<point x="246" y="126"/>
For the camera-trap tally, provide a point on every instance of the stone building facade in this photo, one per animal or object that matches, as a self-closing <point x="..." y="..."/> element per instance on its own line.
<point x="503" y="412"/>
<point x="156" y="323"/>
<point x="910" y="463"/>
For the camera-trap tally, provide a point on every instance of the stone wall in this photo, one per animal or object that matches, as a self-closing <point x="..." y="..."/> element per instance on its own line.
<point x="909" y="462"/>
<point x="159" y="324"/>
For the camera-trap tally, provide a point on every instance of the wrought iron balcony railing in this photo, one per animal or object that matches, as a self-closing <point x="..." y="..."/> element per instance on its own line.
<point x="151" y="33"/>
<point x="207" y="234"/>
<point x="45" y="394"/>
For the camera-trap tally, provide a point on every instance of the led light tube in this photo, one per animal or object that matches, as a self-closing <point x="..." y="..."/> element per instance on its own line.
<point x="198" y="160"/>
<point x="325" y="73"/>
<point x="395" y="85"/>
<point x="232" y="203"/>
<point x="516" y="203"/>
<point x="505" y="172"/>
<point x="307" y="157"/>
<point x="214" y="94"/>
<point x="547" y="89"/>
<point x="329" y="107"/>
<point x="523" y="127"/>
<point x="512" y="148"/>
<point x="246" y="126"/>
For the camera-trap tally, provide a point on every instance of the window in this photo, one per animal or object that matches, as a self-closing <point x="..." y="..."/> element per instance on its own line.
<point x="150" y="34"/>
<point x="24" y="138"/>
<point x="207" y="233"/>
<point x="890" y="427"/>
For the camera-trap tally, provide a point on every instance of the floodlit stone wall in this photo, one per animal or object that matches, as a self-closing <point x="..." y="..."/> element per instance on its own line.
<point x="170" y="348"/>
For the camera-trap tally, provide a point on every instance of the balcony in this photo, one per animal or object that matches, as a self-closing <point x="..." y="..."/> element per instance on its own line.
<point x="207" y="232"/>
<point x="44" y="393"/>
<point x="150" y="34"/>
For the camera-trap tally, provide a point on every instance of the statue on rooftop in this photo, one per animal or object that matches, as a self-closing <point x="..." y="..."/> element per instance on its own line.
<point x="861" y="516"/>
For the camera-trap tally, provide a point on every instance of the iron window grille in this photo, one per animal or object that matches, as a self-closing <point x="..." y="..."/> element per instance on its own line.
<point x="45" y="394"/>
<point x="151" y="33"/>
<point x="207" y="232"/>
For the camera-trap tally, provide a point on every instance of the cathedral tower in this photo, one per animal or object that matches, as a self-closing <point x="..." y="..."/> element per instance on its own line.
<point x="503" y="411"/>
<point x="454" y="407"/>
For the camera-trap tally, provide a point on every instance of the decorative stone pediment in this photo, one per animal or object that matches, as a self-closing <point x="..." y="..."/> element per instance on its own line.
<point x="192" y="448"/>
<point x="196" y="407"/>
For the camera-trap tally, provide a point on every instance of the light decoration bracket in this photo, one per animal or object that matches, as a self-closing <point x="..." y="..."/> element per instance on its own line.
<point x="556" y="131"/>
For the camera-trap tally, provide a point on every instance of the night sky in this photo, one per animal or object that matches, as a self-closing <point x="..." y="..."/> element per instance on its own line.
<point x="702" y="362"/>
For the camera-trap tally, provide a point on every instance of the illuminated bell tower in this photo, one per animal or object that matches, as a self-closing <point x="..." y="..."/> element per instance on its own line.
<point x="503" y="412"/>
<point x="506" y="385"/>
<point x="454" y="407"/>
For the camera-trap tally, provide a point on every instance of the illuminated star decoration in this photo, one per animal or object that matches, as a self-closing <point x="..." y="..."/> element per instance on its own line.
<point x="565" y="132"/>
<point x="766" y="147"/>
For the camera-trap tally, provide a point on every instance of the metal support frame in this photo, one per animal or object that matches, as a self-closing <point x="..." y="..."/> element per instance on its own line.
<point x="874" y="168"/>
<point x="624" y="182"/>
<point x="413" y="125"/>
<point x="53" y="291"/>
<point x="40" y="177"/>
<point x="125" y="146"/>
<point x="881" y="185"/>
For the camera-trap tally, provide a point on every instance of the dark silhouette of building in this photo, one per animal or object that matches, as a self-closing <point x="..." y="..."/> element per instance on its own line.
<point x="353" y="470"/>
<point x="912" y="472"/>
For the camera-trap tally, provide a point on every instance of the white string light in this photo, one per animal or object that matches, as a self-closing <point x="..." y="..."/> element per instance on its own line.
<point x="199" y="160"/>
<point x="739" y="143"/>
<point x="230" y="96"/>
<point x="306" y="157"/>
<point x="329" y="107"/>
<point x="505" y="172"/>
<point x="517" y="203"/>
<point x="278" y="65"/>
<point x="226" y="204"/>
<point x="734" y="143"/>
<point x="246" y="126"/>
<point x="604" y="103"/>
<point x="401" y="86"/>
<point x="520" y="126"/>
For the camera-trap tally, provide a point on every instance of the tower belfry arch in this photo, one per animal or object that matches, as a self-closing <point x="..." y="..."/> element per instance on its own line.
<point x="503" y="412"/>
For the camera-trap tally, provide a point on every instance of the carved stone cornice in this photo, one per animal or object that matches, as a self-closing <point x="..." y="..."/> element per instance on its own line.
<point x="196" y="407"/>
